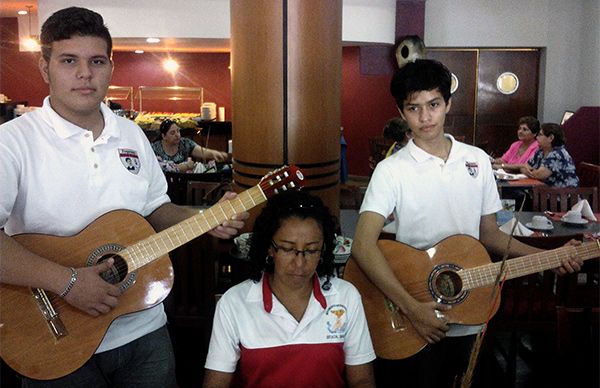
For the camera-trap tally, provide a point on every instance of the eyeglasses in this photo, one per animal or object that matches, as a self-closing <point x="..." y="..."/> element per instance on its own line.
<point x="289" y="253"/>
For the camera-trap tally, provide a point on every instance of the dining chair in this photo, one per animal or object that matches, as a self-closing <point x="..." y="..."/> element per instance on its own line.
<point x="561" y="199"/>
<point x="589" y="174"/>
<point x="200" y="193"/>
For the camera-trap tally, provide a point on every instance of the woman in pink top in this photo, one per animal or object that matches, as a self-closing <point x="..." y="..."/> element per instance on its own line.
<point x="520" y="151"/>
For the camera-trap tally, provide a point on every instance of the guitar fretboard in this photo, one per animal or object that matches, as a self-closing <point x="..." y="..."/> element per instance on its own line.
<point x="155" y="246"/>
<point x="486" y="275"/>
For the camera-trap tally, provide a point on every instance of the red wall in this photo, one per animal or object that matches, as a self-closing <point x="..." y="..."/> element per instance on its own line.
<point x="366" y="101"/>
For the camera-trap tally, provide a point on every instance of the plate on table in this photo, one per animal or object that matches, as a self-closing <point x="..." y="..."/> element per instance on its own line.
<point x="530" y="226"/>
<point x="583" y="221"/>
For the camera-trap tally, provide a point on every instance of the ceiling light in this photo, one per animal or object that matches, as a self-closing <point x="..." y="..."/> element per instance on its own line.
<point x="170" y="65"/>
<point x="22" y="12"/>
<point x="31" y="43"/>
<point x="152" y="40"/>
<point x="139" y="51"/>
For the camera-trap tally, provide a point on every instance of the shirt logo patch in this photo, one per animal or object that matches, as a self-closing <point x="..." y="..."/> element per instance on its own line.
<point x="130" y="160"/>
<point x="337" y="319"/>
<point x="472" y="168"/>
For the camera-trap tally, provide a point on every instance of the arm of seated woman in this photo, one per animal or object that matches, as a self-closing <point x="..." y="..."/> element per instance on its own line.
<point x="360" y="375"/>
<point x="216" y="379"/>
<point x="206" y="154"/>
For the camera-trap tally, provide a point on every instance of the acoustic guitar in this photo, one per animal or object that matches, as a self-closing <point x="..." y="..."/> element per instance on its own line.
<point x="456" y="272"/>
<point x="43" y="337"/>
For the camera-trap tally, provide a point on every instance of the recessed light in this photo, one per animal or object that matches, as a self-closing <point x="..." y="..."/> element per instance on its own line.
<point x="170" y="65"/>
<point x="139" y="51"/>
<point x="152" y="40"/>
<point x="22" y="12"/>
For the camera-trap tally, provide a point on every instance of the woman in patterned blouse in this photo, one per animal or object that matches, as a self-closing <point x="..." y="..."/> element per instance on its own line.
<point x="551" y="163"/>
<point x="176" y="153"/>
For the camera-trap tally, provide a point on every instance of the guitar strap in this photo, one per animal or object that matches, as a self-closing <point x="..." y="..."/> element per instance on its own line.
<point x="467" y="378"/>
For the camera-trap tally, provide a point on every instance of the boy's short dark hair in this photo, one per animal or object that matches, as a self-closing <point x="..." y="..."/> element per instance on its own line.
<point x="421" y="75"/>
<point x="65" y="23"/>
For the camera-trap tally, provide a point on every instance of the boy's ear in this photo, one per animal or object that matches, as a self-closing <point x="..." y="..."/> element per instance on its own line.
<point x="43" y="65"/>
<point x="448" y="104"/>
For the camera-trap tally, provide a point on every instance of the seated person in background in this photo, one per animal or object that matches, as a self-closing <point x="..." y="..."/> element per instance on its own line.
<point x="520" y="151"/>
<point x="396" y="129"/>
<point x="293" y="324"/>
<point x="397" y="132"/>
<point x="552" y="164"/>
<point x="177" y="154"/>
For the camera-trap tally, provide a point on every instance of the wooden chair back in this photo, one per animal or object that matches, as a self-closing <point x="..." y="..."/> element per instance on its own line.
<point x="589" y="174"/>
<point x="201" y="193"/>
<point x="561" y="199"/>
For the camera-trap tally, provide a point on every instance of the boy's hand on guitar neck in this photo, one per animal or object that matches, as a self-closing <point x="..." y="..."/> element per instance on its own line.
<point x="572" y="264"/>
<point x="91" y="293"/>
<point x="229" y="228"/>
<point x="429" y="321"/>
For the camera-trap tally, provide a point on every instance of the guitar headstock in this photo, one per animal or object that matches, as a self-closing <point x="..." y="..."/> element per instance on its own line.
<point x="282" y="179"/>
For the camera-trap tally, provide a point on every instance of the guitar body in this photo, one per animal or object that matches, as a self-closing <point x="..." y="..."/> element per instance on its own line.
<point x="27" y="343"/>
<point x="42" y="345"/>
<point x="427" y="276"/>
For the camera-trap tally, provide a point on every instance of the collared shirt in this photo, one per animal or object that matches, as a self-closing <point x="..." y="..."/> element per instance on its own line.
<point x="254" y="333"/>
<point x="432" y="199"/>
<point x="56" y="179"/>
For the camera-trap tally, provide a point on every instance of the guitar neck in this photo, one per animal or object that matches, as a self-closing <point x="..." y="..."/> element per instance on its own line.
<point x="486" y="275"/>
<point x="155" y="246"/>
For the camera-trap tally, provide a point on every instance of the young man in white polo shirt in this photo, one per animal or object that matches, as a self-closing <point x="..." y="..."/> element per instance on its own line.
<point x="65" y="165"/>
<point x="436" y="187"/>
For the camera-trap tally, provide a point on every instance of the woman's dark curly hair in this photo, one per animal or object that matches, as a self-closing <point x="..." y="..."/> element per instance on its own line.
<point x="281" y="207"/>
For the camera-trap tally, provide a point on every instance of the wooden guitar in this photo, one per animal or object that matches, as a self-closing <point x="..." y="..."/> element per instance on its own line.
<point x="457" y="272"/>
<point x="43" y="337"/>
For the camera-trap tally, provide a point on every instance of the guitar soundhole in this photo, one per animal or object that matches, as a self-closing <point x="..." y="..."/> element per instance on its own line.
<point x="117" y="272"/>
<point x="445" y="285"/>
<point x="448" y="284"/>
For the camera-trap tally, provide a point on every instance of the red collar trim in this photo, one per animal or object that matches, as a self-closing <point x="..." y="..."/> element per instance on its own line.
<point x="268" y="293"/>
<point x="317" y="291"/>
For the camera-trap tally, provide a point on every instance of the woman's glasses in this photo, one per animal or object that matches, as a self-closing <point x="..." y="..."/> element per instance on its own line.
<point x="290" y="253"/>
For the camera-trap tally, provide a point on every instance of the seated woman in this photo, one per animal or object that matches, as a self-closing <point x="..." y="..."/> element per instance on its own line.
<point x="523" y="149"/>
<point x="552" y="164"/>
<point x="178" y="154"/>
<point x="292" y="324"/>
<point x="396" y="133"/>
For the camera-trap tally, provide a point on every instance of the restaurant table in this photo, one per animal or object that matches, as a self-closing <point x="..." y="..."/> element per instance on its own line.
<point x="559" y="234"/>
<point x="522" y="184"/>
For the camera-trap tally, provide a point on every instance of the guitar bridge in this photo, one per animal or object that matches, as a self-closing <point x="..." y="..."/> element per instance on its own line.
<point x="52" y="318"/>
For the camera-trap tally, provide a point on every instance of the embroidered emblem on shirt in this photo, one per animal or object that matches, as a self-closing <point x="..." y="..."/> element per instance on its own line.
<point x="130" y="160"/>
<point x="337" y="319"/>
<point x="472" y="168"/>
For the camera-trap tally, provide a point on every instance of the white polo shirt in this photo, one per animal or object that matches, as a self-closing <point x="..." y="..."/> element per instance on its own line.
<point x="433" y="199"/>
<point x="56" y="179"/>
<point x="254" y="334"/>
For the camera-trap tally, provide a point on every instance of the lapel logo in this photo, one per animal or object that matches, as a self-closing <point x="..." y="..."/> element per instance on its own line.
<point x="472" y="168"/>
<point x="130" y="160"/>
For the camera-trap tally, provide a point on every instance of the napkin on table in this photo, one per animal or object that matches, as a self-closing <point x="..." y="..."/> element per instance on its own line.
<point x="520" y="230"/>
<point x="583" y="207"/>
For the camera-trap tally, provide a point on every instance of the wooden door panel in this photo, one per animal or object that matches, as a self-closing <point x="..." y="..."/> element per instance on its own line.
<point x="460" y="121"/>
<point x="498" y="113"/>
